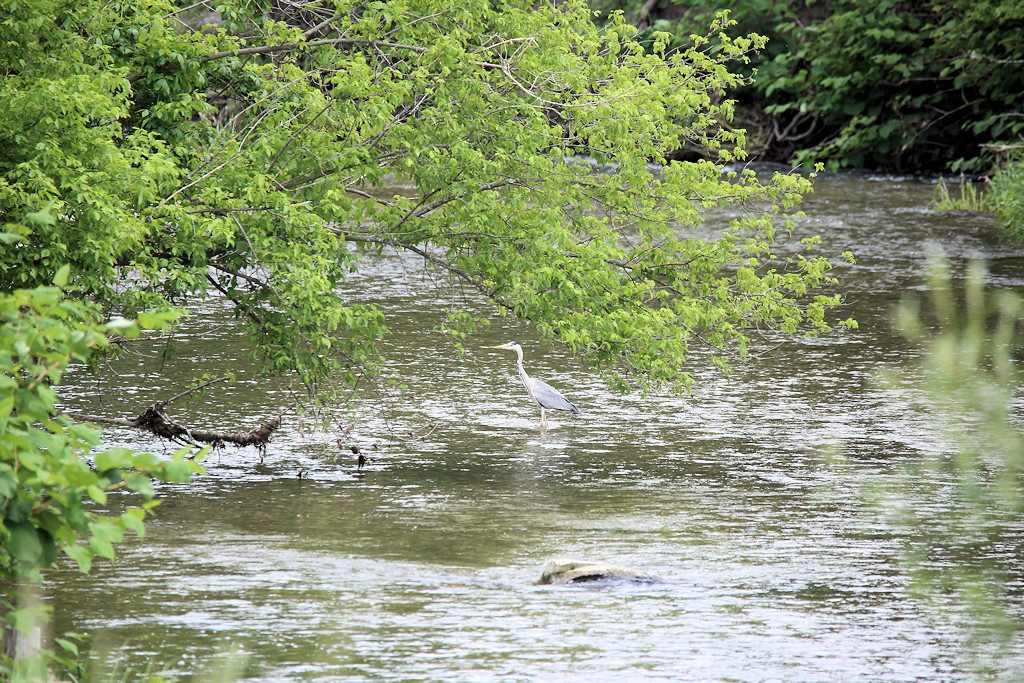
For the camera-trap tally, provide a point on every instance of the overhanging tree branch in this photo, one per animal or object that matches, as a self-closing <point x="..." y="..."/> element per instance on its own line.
<point x="289" y="47"/>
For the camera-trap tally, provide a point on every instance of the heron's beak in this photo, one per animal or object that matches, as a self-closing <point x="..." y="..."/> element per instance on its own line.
<point x="506" y="347"/>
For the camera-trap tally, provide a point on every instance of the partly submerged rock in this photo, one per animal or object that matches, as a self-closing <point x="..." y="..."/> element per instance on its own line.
<point x="564" y="571"/>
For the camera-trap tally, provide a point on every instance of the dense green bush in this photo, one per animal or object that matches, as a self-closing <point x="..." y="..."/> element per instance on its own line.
<point x="905" y="85"/>
<point x="893" y="84"/>
<point x="1006" y="197"/>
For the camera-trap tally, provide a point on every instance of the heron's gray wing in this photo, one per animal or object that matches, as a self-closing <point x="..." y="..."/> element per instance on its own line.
<point x="549" y="397"/>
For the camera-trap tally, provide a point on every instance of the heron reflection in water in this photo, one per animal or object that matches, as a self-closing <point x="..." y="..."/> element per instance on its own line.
<point x="546" y="396"/>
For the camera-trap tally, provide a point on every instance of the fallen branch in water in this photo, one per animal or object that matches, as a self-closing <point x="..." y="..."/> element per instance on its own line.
<point x="155" y="421"/>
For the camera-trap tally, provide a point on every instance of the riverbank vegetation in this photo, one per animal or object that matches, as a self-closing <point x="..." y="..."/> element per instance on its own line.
<point x="155" y="153"/>
<point x="1006" y="198"/>
<point x="893" y="85"/>
<point x="965" y="197"/>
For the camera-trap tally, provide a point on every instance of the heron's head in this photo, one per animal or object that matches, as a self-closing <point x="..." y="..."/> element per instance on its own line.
<point x="509" y="346"/>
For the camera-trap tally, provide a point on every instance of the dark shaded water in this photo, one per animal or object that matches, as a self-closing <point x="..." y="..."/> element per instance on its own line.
<point x="424" y="568"/>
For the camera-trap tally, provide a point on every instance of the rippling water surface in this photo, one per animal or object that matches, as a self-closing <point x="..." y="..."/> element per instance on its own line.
<point x="424" y="567"/>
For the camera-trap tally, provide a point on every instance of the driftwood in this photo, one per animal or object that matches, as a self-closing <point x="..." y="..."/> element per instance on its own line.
<point x="155" y="421"/>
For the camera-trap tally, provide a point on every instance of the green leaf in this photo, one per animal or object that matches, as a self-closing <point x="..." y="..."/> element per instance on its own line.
<point x="80" y="554"/>
<point x="24" y="620"/>
<point x="61" y="278"/>
<point x="178" y="470"/>
<point x="157" y="320"/>
<point x="101" y="547"/>
<point x="24" y="543"/>
<point x="141" y="484"/>
<point x="5" y="407"/>
<point x="146" y="461"/>
<point x="120" y="325"/>
<point x="115" y="458"/>
<point x="49" y="549"/>
<point x="8" y="485"/>
<point x="67" y="645"/>
<point x="42" y="217"/>
<point x="132" y="520"/>
<point x="97" y="494"/>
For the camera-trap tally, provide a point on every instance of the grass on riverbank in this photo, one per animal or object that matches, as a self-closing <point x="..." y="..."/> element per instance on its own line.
<point x="968" y="198"/>
<point x="1004" y="197"/>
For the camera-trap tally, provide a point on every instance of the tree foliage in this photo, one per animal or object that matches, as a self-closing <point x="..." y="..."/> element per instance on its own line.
<point x="246" y="151"/>
<point x="893" y="84"/>
<point x="906" y="85"/>
<point x="54" y="485"/>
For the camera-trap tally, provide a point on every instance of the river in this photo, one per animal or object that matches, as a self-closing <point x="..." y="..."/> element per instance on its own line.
<point x="747" y="498"/>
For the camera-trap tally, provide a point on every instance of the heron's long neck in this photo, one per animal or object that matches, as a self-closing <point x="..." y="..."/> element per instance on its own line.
<point x="522" y="372"/>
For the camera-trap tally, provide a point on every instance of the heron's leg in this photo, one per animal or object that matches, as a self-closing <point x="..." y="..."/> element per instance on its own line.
<point x="543" y="418"/>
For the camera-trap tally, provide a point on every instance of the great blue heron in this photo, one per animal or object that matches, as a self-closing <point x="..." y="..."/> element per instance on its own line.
<point x="546" y="396"/>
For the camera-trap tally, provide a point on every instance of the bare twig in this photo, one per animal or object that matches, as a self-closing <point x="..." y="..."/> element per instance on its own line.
<point x="182" y="394"/>
<point x="289" y="47"/>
